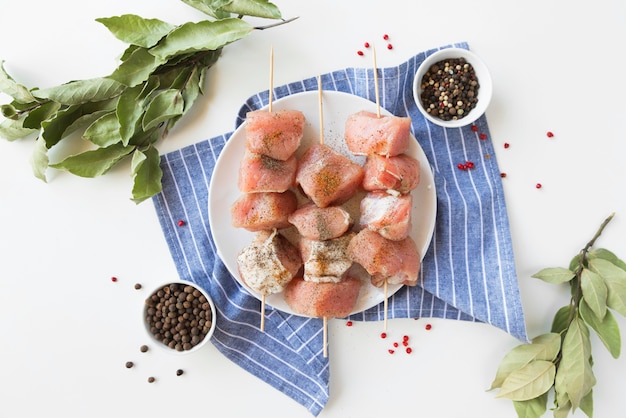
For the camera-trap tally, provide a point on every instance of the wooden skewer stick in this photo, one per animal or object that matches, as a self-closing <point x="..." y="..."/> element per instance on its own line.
<point x="271" y="99"/>
<point x="263" y="313"/>
<point x="321" y="111"/>
<point x="271" y="77"/>
<point x="385" y="302"/>
<point x="376" y="83"/>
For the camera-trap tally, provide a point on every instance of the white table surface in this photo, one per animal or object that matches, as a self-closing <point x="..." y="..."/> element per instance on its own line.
<point x="67" y="329"/>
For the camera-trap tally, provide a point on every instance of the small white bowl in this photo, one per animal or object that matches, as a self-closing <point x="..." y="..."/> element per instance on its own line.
<point x="485" y="88"/>
<point x="180" y="284"/>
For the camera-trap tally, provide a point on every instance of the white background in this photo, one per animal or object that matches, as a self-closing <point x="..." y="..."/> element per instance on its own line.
<point x="67" y="330"/>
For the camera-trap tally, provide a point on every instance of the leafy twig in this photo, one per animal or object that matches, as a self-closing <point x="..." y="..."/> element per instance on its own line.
<point x="125" y="114"/>
<point x="560" y="362"/>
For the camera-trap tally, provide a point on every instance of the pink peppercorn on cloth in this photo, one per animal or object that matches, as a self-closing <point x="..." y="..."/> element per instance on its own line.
<point x="467" y="274"/>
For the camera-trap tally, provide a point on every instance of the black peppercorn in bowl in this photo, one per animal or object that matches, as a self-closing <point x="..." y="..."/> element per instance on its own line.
<point x="452" y="87"/>
<point x="179" y="316"/>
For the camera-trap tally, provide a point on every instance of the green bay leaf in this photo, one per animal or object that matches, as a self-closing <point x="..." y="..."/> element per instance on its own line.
<point x="531" y="381"/>
<point x="607" y="255"/>
<point x="17" y="91"/>
<point x="210" y="7"/>
<point x="543" y="347"/>
<point x="554" y="275"/>
<point x="39" y="159"/>
<point x="258" y="8"/>
<point x="615" y="280"/>
<point x="201" y="36"/>
<point x="576" y="353"/>
<point x="531" y="408"/>
<point x="594" y="291"/>
<point x="607" y="328"/>
<point x="104" y="131"/>
<point x="96" y="162"/>
<point x="44" y="112"/>
<point x="165" y="105"/>
<point x="136" y="68"/>
<point x="82" y="91"/>
<point x="147" y="174"/>
<point x="561" y="319"/>
<point x="12" y="129"/>
<point x="137" y="30"/>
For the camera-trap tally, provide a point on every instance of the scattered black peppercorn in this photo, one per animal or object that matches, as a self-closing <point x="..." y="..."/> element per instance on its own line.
<point x="450" y="89"/>
<point x="179" y="372"/>
<point x="143" y="348"/>
<point x="178" y="315"/>
<point x="129" y="364"/>
<point x="151" y="379"/>
<point x="137" y="286"/>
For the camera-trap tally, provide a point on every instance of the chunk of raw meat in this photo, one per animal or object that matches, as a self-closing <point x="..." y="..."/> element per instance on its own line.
<point x="319" y="300"/>
<point x="397" y="262"/>
<point x="260" y="173"/>
<point x="400" y="173"/>
<point x="389" y="214"/>
<point x="276" y="134"/>
<point x="327" y="177"/>
<point x="258" y="211"/>
<point x="315" y="223"/>
<point x="326" y="261"/>
<point x="366" y="133"/>
<point x="269" y="262"/>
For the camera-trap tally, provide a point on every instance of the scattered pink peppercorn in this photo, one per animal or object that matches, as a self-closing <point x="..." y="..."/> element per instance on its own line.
<point x="360" y="53"/>
<point x="405" y="343"/>
<point x="385" y="37"/>
<point x="405" y="338"/>
<point x="482" y="136"/>
<point x="506" y="145"/>
<point x="550" y="134"/>
<point x="538" y="186"/>
<point x="474" y="128"/>
<point x="461" y="166"/>
<point x="349" y="323"/>
<point x="114" y="279"/>
<point x="391" y="351"/>
<point x="409" y="350"/>
<point x="366" y="44"/>
<point x="428" y="327"/>
<point x="395" y="345"/>
<point x="503" y="175"/>
<point x="181" y="223"/>
<point x="383" y="335"/>
<point x="469" y="164"/>
<point x="389" y="46"/>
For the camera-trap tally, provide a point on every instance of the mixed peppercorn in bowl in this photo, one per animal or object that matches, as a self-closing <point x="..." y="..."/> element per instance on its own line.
<point x="452" y="87"/>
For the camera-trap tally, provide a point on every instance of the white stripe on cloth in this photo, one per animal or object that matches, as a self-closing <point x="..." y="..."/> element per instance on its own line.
<point x="467" y="274"/>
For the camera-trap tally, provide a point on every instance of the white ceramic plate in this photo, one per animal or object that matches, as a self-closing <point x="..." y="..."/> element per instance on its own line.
<point x="337" y="106"/>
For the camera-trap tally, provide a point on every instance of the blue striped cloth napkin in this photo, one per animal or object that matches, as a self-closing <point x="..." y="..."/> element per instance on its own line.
<point x="467" y="274"/>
